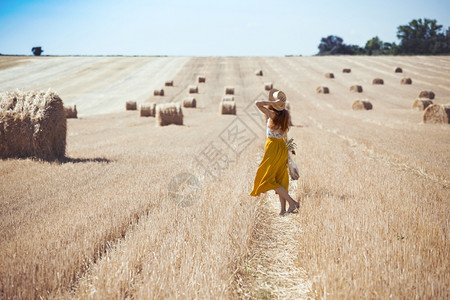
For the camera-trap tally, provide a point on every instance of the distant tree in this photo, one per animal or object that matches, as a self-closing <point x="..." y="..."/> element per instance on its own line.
<point x="374" y="45"/>
<point x="422" y="37"/>
<point x="37" y="51"/>
<point x="332" y="45"/>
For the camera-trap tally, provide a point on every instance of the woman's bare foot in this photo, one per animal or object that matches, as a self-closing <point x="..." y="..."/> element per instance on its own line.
<point x="282" y="212"/>
<point x="293" y="208"/>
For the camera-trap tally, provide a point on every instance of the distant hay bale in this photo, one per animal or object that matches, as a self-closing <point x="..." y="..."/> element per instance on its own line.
<point x="346" y="70"/>
<point x="322" y="90"/>
<point x="329" y="75"/>
<point x="229" y="90"/>
<point x="189" y="102"/>
<point x="362" y="105"/>
<point x="228" y="98"/>
<point x="193" y="89"/>
<point x="32" y="124"/>
<point x="71" y="112"/>
<point x="356" y="89"/>
<point x="169" y="113"/>
<point x="158" y="92"/>
<point x="398" y="70"/>
<point x="427" y="94"/>
<point x="421" y="104"/>
<point x="406" y="81"/>
<point x="228" y="107"/>
<point x="377" y="81"/>
<point x="259" y="73"/>
<point x="201" y="79"/>
<point x="437" y="114"/>
<point x="131" y="105"/>
<point x="268" y="86"/>
<point x="148" y="110"/>
<point x="169" y="83"/>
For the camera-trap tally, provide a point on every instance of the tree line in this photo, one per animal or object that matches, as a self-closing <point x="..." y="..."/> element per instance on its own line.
<point x="418" y="37"/>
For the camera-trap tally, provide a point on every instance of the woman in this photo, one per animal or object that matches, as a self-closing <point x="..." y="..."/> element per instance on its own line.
<point x="272" y="172"/>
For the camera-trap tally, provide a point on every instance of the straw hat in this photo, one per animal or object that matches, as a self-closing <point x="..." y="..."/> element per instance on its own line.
<point x="274" y="95"/>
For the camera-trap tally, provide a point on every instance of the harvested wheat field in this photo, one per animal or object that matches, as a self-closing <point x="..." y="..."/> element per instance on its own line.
<point x="136" y="210"/>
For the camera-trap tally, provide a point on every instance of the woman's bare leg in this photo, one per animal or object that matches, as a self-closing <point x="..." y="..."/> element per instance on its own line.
<point x="283" y="205"/>
<point x="284" y="194"/>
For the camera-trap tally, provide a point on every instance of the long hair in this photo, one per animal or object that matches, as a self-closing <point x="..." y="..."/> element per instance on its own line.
<point x="281" y="120"/>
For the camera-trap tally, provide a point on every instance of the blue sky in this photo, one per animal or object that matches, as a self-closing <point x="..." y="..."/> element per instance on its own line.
<point x="202" y="27"/>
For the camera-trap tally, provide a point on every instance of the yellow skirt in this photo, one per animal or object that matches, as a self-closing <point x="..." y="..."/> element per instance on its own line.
<point x="272" y="171"/>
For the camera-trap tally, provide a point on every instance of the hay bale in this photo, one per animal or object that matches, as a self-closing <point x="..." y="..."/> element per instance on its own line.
<point x="169" y="113"/>
<point x="259" y="73"/>
<point x="356" y="89"/>
<point x="131" y="105"/>
<point x="406" y="80"/>
<point x="322" y="90"/>
<point x="228" y="98"/>
<point x="268" y="86"/>
<point x="362" y="105"/>
<point x="148" y="110"/>
<point x="329" y="75"/>
<point x="437" y="114"/>
<point x="346" y="70"/>
<point x="421" y="104"/>
<point x="427" y="94"/>
<point x="71" y="112"/>
<point x="169" y="83"/>
<point x="193" y="89"/>
<point x="201" y="79"/>
<point x="32" y="124"/>
<point x="158" y="92"/>
<point x="189" y="102"/>
<point x="398" y="70"/>
<point x="228" y="107"/>
<point x="229" y="90"/>
<point x="377" y="81"/>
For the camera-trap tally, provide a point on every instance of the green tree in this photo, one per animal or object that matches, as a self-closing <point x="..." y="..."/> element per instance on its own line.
<point x="332" y="45"/>
<point x="422" y="37"/>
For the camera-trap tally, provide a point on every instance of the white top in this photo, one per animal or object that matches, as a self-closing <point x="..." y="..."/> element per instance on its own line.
<point x="271" y="133"/>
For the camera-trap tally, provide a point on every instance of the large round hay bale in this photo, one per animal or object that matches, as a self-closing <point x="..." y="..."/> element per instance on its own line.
<point x="421" y="104"/>
<point x="229" y="90"/>
<point x="362" y="105"/>
<point x="268" y="86"/>
<point x="437" y="114"/>
<point x="32" y="124"/>
<point x="329" y="75"/>
<point x="189" y="102"/>
<point x="427" y="94"/>
<point x="131" y="105"/>
<point x="169" y="83"/>
<point x="148" y="110"/>
<point x="322" y="90"/>
<point x="228" y="107"/>
<point x="228" y="98"/>
<point x="356" y="89"/>
<point x="259" y="73"/>
<point x="169" y="113"/>
<point x="346" y="70"/>
<point x="377" y="81"/>
<point x="406" y="80"/>
<point x="193" y="89"/>
<point x="398" y="70"/>
<point x="158" y="92"/>
<point x="71" y="112"/>
<point x="201" y="79"/>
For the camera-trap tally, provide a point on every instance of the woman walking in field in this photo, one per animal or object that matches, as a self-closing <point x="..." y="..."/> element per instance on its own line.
<point x="272" y="173"/>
